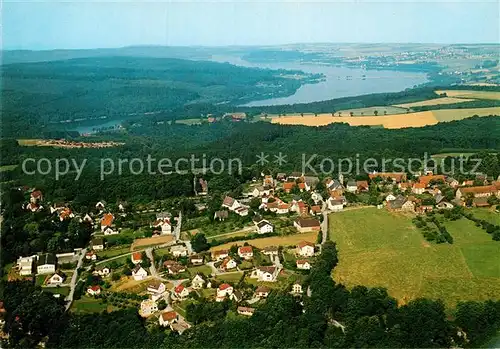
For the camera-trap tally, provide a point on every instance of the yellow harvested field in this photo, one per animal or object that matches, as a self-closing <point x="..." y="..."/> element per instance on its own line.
<point x="156" y="240"/>
<point x="395" y="121"/>
<point x="387" y="121"/>
<point x="471" y="94"/>
<point x="272" y="241"/>
<point x="435" y="101"/>
<point x="446" y="115"/>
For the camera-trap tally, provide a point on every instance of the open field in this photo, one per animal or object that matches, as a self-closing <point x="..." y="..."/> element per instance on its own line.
<point x="471" y="94"/>
<point x="435" y="101"/>
<point x="156" y="240"/>
<point x="396" y="121"/>
<point x="445" y="115"/>
<point x="204" y="269"/>
<point x="230" y="277"/>
<point x="444" y="155"/>
<point x="382" y="110"/>
<point x="378" y="248"/>
<point x="112" y="252"/>
<point x="288" y="240"/>
<point x="487" y="214"/>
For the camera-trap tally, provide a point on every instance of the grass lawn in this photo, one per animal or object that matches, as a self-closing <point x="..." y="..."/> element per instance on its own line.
<point x="204" y="269"/>
<point x="64" y="291"/>
<point x="88" y="305"/>
<point x="231" y="278"/>
<point x="379" y="248"/>
<point x="114" y="251"/>
<point x="487" y="214"/>
<point x="207" y="292"/>
<point x="40" y="279"/>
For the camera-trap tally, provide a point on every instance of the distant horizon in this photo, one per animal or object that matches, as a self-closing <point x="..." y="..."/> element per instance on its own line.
<point x="256" y="45"/>
<point x="73" y="24"/>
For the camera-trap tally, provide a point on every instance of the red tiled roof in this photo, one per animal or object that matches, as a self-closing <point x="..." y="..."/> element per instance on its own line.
<point x="224" y="286"/>
<point x="245" y="249"/>
<point x="288" y="185"/>
<point x="36" y="194"/>
<point x="304" y="244"/>
<point x="479" y="190"/>
<point x="427" y="179"/>
<point x="137" y="256"/>
<point x="301" y="261"/>
<point x="95" y="288"/>
<point x="179" y="288"/>
<point x="169" y="315"/>
<point x="107" y="220"/>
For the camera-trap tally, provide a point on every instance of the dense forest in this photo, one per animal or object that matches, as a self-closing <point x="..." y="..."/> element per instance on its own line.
<point x="332" y="317"/>
<point x="38" y="94"/>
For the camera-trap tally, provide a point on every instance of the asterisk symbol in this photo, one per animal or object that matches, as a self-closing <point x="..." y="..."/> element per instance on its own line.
<point x="262" y="159"/>
<point x="280" y="159"/>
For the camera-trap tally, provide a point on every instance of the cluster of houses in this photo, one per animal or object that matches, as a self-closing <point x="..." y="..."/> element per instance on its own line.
<point x="429" y="184"/>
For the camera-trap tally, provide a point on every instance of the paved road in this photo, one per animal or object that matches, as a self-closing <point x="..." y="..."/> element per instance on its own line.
<point x="324" y="224"/>
<point x="152" y="268"/>
<point x="177" y="230"/>
<point x="74" y="279"/>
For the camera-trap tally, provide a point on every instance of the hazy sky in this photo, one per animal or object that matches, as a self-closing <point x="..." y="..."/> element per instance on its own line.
<point x="89" y="24"/>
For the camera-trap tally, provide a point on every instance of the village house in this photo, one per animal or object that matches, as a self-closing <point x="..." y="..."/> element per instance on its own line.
<point x="46" y="264"/>
<point x="304" y="225"/>
<point x="148" y="307"/>
<point x="174" y="267"/>
<point x="260" y="191"/>
<point x="401" y="204"/>
<point x="102" y="270"/>
<point x="316" y="197"/>
<point x="168" y="318"/>
<point x="163" y="224"/>
<point x="227" y="264"/>
<point x="444" y="205"/>
<point x="297" y="289"/>
<point x="362" y="186"/>
<point x="305" y="249"/>
<point x="196" y="260"/>
<point x="230" y="203"/>
<point x="265" y="273"/>
<point x="33" y="207"/>
<point x="91" y="255"/>
<point x="295" y="175"/>
<point x="136" y="257"/>
<point x="288" y="186"/>
<point x="242" y="211"/>
<point x="303" y="264"/>
<point x="351" y="186"/>
<point x="315" y="210"/>
<point x="431" y="179"/>
<point x="335" y="204"/>
<point x="88" y="219"/>
<point x="268" y="181"/>
<point x="56" y="279"/>
<point x="264" y="227"/>
<point x="478" y="192"/>
<point x="156" y="289"/>
<point x="333" y="184"/>
<point x="203" y="187"/>
<point x="452" y="182"/>
<point x="97" y="244"/>
<point x="198" y="282"/>
<point x="94" y="290"/>
<point x="390" y="197"/>
<point x="107" y="224"/>
<point x="223" y="291"/>
<point x="219" y="255"/>
<point x="310" y="182"/>
<point x="100" y="205"/>
<point x="181" y="292"/>
<point x="139" y="273"/>
<point x="418" y="188"/>
<point x="246" y="311"/>
<point x="221" y="215"/>
<point x="36" y="196"/>
<point x="25" y="265"/>
<point x="245" y="252"/>
<point x="262" y="291"/>
<point x="270" y="251"/>
<point x="281" y="176"/>
<point x="179" y="251"/>
<point x="66" y="213"/>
